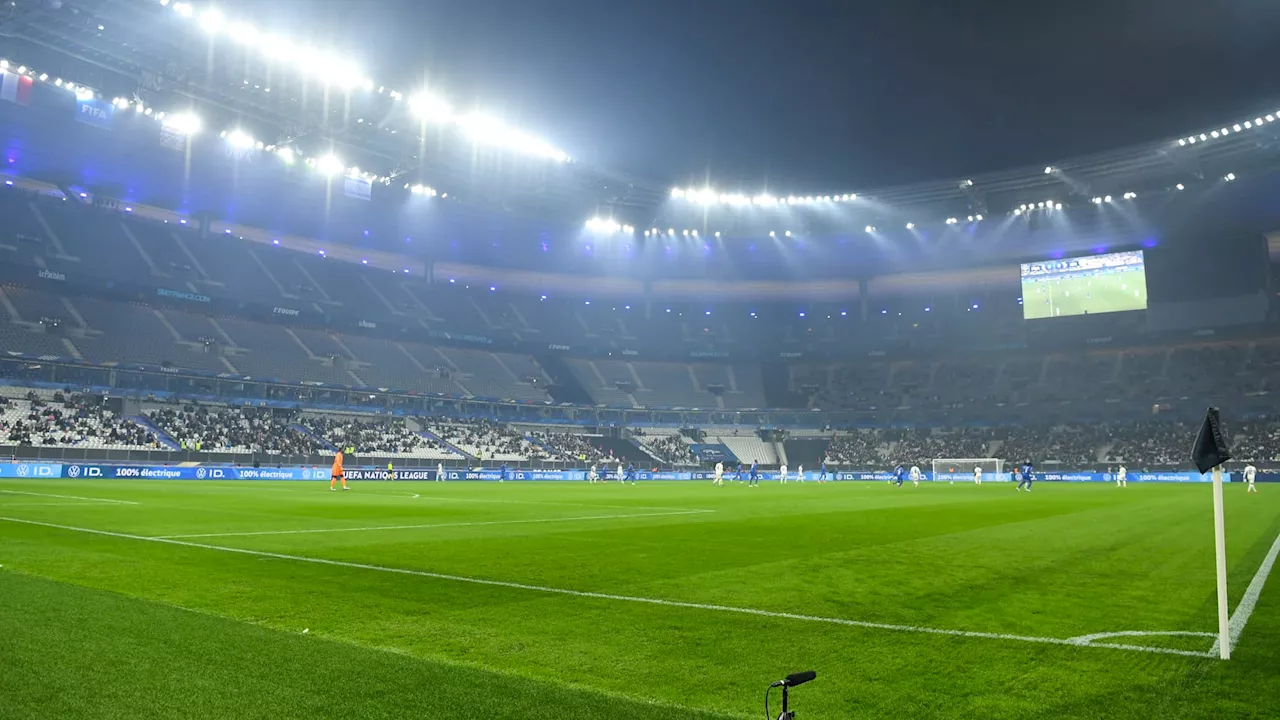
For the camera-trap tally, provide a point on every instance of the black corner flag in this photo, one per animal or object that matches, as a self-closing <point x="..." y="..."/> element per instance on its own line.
<point x="1210" y="449"/>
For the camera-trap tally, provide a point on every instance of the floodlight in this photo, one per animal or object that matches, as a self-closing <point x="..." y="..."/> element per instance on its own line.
<point x="911" y="226"/>
<point x="84" y="93"/>
<point x="1048" y="170"/>
<point x="286" y="154"/>
<point x="870" y="228"/>
<point x="434" y="109"/>
<point x="328" y="165"/>
<point x="211" y="20"/>
<point x="1180" y="186"/>
<point x="1106" y="199"/>
<point x="184" y="123"/>
<point x="239" y="139"/>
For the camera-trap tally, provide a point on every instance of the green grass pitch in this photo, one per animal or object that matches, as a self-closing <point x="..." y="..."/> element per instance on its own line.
<point x="557" y="600"/>
<point x="1114" y="292"/>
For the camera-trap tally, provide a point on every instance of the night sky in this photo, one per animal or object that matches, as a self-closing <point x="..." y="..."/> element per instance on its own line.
<point x="817" y="95"/>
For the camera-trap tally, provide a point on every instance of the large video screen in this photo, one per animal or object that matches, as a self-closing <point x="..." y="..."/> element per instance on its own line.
<point x="1084" y="285"/>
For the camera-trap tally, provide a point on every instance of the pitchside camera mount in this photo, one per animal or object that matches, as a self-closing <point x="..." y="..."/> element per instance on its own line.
<point x="786" y="684"/>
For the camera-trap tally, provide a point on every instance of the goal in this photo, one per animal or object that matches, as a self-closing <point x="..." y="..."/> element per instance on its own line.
<point x="961" y="469"/>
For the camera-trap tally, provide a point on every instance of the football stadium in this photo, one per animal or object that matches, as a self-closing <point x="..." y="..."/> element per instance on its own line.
<point x="328" y="393"/>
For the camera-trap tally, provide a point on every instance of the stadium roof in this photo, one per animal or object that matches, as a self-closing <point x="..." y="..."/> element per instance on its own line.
<point x="269" y="93"/>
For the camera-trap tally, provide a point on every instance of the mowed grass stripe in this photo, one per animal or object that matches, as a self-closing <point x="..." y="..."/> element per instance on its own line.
<point x="482" y="523"/>
<point x="612" y="597"/>
<point x="183" y="664"/>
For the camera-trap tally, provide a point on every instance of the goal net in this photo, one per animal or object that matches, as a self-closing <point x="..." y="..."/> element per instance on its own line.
<point x="962" y="469"/>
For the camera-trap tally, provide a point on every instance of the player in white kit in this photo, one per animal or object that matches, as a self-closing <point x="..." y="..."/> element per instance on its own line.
<point x="1250" y="472"/>
<point x="440" y="472"/>
<point x="592" y="475"/>
<point x="915" y="475"/>
<point x="977" y="474"/>
<point x="800" y="473"/>
<point x="782" y="474"/>
<point x="621" y="476"/>
<point x="1122" y="477"/>
<point x="719" y="477"/>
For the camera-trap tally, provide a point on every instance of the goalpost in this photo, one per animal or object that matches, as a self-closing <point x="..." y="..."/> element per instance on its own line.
<point x="961" y="469"/>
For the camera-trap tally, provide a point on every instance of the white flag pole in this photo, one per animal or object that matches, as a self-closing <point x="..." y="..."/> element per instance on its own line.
<point x="1220" y="546"/>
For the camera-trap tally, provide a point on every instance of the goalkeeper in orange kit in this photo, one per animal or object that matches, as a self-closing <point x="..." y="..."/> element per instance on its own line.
<point x="338" y="474"/>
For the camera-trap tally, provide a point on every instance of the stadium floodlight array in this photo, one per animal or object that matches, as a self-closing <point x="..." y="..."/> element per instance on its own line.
<point x="189" y="123"/>
<point x="710" y="196"/>
<point x="330" y="69"/>
<point x="1225" y="131"/>
<point x="609" y="225"/>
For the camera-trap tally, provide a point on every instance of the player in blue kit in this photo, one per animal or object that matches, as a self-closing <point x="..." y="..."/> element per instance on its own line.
<point x="755" y="475"/>
<point x="1027" y="475"/>
<point x="738" y="475"/>
<point x="899" y="476"/>
<point x="502" y="473"/>
<point x="822" y="474"/>
<point x="631" y="474"/>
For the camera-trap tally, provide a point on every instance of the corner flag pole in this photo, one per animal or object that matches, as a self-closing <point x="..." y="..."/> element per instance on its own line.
<point x="1220" y="546"/>
<point x="1208" y="453"/>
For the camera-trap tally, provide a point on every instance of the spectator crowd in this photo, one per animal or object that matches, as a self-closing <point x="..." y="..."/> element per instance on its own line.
<point x="233" y="430"/>
<point x="377" y="437"/>
<point x="69" y="420"/>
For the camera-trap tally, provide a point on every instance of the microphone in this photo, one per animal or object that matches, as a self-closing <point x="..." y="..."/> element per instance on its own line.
<point x="795" y="679"/>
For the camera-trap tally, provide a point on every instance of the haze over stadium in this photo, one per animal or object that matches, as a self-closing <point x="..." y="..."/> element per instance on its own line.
<point x="617" y="333"/>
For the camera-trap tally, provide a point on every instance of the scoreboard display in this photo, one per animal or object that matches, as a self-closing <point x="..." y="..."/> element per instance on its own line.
<point x="1115" y="282"/>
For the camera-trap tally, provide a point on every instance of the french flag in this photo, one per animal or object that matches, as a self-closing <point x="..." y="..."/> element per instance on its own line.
<point x="15" y="88"/>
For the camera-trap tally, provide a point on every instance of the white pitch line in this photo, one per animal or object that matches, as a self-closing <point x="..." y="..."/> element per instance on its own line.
<point x="69" y="497"/>
<point x="1240" y="617"/>
<point x="619" y="598"/>
<point x="7" y="505"/>
<point x="435" y="525"/>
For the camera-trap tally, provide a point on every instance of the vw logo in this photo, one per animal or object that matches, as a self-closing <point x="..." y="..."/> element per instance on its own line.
<point x="24" y="470"/>
<point x="200" y="473"/>
<point x="73" y="471"/>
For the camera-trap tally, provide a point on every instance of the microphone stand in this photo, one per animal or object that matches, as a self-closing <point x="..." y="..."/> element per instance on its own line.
<point x="786" y="714"/>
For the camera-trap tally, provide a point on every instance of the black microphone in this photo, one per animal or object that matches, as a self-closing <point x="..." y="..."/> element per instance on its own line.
<point x="795" y="679"/>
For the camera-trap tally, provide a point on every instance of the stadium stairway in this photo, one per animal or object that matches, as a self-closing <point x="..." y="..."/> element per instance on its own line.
<point x="165" y="438"/>
<point x="548" y="449"/>
<point x="446" y="444"/>
<point x="646" y="450"/>
<point x="565" y="386"/>
<point x="302" y="430"/>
